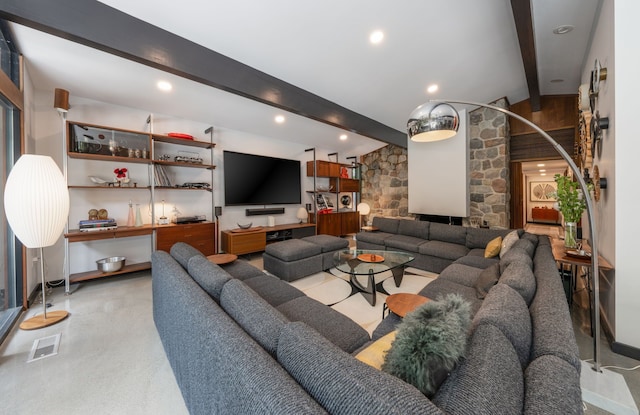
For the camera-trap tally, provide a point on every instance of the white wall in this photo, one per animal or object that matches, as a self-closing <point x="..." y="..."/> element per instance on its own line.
<point x="49" y="133"/>
<point x="439" y="174"/>
<point x="616" y="219"/>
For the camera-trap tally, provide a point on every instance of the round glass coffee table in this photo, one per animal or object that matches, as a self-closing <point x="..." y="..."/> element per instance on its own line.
<point x="369" y="262"/>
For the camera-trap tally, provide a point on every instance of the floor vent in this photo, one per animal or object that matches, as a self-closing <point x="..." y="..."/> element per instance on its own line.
<point x="44" y="347"/>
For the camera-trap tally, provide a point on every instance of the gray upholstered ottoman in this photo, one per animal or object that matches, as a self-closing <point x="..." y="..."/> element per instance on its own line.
<point x="292" y="259"/>
<point x="329" y="244"/>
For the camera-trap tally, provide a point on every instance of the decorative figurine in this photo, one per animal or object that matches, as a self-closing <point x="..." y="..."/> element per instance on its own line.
<point x="121" y="176"/>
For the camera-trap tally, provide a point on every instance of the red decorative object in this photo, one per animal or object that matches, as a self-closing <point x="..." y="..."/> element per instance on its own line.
<point x="181" y="135"/>
<point x="344" y="173"/>
<point x="121" y="173"/>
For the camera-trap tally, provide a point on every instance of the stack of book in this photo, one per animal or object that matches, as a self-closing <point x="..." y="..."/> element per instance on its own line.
<point x="97" y="225"/>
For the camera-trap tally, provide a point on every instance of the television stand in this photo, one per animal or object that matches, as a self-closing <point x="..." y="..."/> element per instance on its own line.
<point x="256" y="239"/>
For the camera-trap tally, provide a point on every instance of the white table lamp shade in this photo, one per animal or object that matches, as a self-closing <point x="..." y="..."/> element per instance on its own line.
<point x="36" y="201"/>
<point x="302" y="213"/>
<point x="363" y="208"/>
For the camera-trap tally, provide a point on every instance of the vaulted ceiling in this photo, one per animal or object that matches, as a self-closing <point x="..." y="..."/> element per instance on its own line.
<point x="238" y="64"/>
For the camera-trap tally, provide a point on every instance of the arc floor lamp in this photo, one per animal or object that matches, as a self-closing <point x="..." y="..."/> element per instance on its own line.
<point x="438" y="120"/>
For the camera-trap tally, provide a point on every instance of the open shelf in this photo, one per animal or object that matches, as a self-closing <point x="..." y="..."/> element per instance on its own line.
<point x="182" y="141"/>
<point x="175" y="163"/>
<point x="91" y="275"/>
<point x="110" y="187"/>
<point x="102" y="157"/>
<point x="74" y="235"/>
<point x="180" y="188"/>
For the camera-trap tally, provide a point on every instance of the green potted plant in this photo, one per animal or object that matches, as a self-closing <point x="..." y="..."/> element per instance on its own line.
<point x="571" y="204"/>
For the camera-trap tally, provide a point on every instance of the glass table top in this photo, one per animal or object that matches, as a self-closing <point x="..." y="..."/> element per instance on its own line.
<point x="368" y="261"/>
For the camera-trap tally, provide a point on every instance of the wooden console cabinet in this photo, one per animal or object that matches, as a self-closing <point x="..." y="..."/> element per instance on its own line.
<point x="199" y="235"/>
<point x="256" y="239"/>
<point x="545" y="214"/>
<point x="338" y="223"/>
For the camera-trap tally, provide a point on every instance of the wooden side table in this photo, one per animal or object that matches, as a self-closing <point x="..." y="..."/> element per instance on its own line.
<point x="402" y="304"/>
<point x="221" y="259"/>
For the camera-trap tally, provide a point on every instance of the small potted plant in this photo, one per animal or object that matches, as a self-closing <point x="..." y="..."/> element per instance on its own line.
<point x="571" y="204"/>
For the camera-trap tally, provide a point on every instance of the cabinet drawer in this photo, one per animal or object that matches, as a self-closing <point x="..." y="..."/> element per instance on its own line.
<point x="243" y="243"/>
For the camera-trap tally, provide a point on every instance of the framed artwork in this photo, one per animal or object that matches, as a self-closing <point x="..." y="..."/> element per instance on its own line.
<point x="541" y="191"/>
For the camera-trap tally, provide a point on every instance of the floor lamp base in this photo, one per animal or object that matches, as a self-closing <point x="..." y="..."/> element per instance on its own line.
<point x="607" y="390"/>
<point x="38" y="322"/>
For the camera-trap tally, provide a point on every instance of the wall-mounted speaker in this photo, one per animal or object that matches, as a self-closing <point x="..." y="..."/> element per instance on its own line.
<point x="61" y="100"/>
<point x="218" y="210"/>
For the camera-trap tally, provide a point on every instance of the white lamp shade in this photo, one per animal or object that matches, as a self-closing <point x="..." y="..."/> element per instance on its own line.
<point x="36" y="201"/>
<point x="363" y="208"/>
<point x="302" y="213"/>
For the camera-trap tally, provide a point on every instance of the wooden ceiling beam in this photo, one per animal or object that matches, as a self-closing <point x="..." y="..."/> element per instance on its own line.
<point x="524" y="27"/>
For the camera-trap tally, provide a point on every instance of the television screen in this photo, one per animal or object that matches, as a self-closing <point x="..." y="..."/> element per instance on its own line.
<point x="250" y="179"/>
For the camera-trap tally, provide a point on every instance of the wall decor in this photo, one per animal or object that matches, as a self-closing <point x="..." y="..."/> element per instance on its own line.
<point x="542" y="191"/>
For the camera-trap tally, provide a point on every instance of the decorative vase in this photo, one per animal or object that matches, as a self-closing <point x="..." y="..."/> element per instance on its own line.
<point x="571" y="234"/>
<point x="138" y="216"/>
<point x="130" y="219"/>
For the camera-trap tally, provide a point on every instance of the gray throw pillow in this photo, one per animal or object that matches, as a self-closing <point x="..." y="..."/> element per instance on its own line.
<point x="429" y="343"/>
<point x="487" y="279"/>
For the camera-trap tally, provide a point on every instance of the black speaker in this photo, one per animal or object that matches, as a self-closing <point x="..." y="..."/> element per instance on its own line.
<point x="217" y="210"/>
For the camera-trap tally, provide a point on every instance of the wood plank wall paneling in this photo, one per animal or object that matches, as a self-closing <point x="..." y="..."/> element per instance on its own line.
<point x="535" y="147"/>
<point x="558" y="112"/>
<point x="517" y="196"/>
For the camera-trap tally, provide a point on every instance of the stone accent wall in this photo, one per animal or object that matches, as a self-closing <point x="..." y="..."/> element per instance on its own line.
<point x="384" y="175"/>
<point x="489" y="166"/>
<point x="385" y="172"/>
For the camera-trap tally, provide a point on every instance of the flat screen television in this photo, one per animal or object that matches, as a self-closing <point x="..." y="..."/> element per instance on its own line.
<point x="251" y="179"/>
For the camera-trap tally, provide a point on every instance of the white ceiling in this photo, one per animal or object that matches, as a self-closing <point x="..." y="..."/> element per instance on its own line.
<point x="468" y="47"/>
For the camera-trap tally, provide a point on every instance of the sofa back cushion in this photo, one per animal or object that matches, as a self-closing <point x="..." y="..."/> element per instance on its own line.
<point x="515" y="255"/>
<point x="526" y="245"/>
<point x="260" y="320"/>
<point x="448" y="233"/>
<point x="417" y="228"/>
<point x="388" y="225"/>
<point x="488" y="381"/>
<point x="341" y="383"/>
<point x="208" y="275"/>
<point x="183" y="252"/>
<point x="519" y="276"/>
<point x="480" y="237"/>
<point x="505" y="309"/>
<point x="552" y="386"/>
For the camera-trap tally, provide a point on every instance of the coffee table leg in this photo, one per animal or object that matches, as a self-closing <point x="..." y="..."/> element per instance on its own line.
<point x="398" y="273"/>
<point x="368" y="292"/>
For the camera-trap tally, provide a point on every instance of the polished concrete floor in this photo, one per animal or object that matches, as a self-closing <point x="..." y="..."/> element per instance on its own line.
<point x="111" y="361"/>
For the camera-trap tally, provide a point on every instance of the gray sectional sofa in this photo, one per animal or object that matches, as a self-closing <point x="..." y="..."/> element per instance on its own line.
<point x="241" y="341"/>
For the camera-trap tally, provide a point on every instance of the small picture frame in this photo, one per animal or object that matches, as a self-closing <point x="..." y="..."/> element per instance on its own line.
<point x="328" y="202"/>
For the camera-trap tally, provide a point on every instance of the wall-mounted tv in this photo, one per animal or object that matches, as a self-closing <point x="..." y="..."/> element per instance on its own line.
<point x="250" y="179"/>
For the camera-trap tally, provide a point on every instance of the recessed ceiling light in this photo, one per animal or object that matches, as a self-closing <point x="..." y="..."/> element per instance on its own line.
<point x="562" y="29"/>
<point x="164" y="86"/>
<point x="343" y="137"/>
<point x="279" y="119"/>
<point x="542" y="170"/>
<point x="376" y="37"/>
<point x="432" y="88"/>
<point x="543" y="174"/>
<point x="540" y="165"/>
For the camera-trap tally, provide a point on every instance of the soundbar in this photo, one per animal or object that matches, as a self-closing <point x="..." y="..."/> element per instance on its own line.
<point x="265" y="211"/>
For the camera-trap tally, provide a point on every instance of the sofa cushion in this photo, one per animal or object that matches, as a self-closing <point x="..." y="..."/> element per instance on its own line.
<point x="241" y="269"/>
<point x="544" y="377"/>
<point x="293" y="250"/>
<point x="515" y="255"/>
<point x="416" y="228"/>
<point x="336" y="327"/>
<point x="508" y="241"/>
<point x="480" y="237"/>
<point x="208" y="275"/>
<point x="260" y="320"/>
<point x="183" y="252"/>
<point x="272" y="289"/>
<point x="488" y="381"/>
<point x="476" y="261"/>
<point x="429" y="343"/>
<point x="403" y="243"/>
<point x="487" y="279"/>
<point x="388" y="225"/>
<point x="376" y="237"/>
<point x="526" y="245"/>
<point x="505" y="309"/>
<point x="493" y="247"/>
<point x="520" y="277"/>
<point x="448" y="233"/>
<point x="461" y="274"/>
<point x="333" y="378"/>
<point x="328" y="243"/>
<point x="374" y="353"/>
<point x="441" y="286"/>
<point x="530" y="237"/>
<point x="440" y="249"/>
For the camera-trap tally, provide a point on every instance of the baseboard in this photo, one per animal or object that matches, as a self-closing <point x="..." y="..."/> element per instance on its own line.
<point x="625" y="350"/>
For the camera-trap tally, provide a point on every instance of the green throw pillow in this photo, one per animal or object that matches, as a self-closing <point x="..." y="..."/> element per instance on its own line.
<point x="429" y="343"/>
